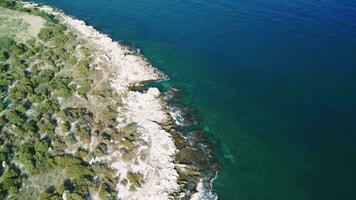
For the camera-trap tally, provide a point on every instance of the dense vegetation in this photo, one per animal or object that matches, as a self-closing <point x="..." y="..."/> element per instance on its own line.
<point x="47" y="119"/>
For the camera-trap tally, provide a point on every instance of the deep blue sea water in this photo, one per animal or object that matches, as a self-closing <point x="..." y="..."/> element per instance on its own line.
<point x="273" y="82"/>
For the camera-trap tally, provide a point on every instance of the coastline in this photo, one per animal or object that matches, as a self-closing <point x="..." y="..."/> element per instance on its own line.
<point x="156" y="155"/>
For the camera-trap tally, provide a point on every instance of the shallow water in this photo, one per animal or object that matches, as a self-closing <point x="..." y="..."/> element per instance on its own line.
<point x="273" y="82"/>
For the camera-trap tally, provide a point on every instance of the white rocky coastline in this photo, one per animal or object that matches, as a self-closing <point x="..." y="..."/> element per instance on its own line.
<point x="155" y="155"/>
<point x="143" y="109"/>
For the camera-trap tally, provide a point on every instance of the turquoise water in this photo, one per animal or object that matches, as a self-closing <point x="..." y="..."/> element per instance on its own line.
<point x="273" y="83"/>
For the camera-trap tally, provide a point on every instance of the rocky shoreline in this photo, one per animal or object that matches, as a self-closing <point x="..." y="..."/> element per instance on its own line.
<point x="171" y="164"/>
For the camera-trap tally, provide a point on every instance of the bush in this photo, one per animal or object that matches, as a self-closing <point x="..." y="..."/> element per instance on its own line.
<point x="47" y="195"/>
<point x="108" y="114"/>
<point x="136" y="179"/>
<point x="33" y="98"/>
<point x="84" y="87"/>
<point x="11" y="180"/>
<point x="6" y="42"/>
<point x="61" y="53"/>
<point x="72" y="61"/>
<point x="4" y="67"/>
<point x="48" y="106"/>
<point x="8" y="3"/>
<point x="83" y="68"/>
<point x="45" y="33"/>
<point x="74" y="196"/>
<point x="47" y="127"/>
<point x="67" y="161"/>
<point x="101" y="149"/>
<point x="30" y="127"/>
<point x="71" y="114"/>
<point x="18" y="49"/>
<point x="58" y="144"/>
<point x="45" y="76"/>
<point x="44" y="89"/>
<point x="20" y="90"/>
<point x="35" y="158"/>
<point x="105" y="192"/>
<point x="81" y="153"/>
<point x="4" y="56"/>
<point x="44" y="15"/>
<point x="62" y="86"/>
<point x="14" y="117"/>
<point x="5" y="80"/>
<point x="66" y="126"/>
<point x="78" y="171"/>
<point x="84" y="134"/>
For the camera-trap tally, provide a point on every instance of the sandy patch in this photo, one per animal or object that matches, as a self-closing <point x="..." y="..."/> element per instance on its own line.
<point x="19" y="25"/>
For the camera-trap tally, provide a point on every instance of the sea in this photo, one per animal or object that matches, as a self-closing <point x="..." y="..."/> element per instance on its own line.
<point x="272" y="83"/>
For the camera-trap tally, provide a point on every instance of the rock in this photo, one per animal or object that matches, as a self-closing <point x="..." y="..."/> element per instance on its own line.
<point x="167" y="128"/>
<point x="187" y="171"/>
<point x="154" y="92"/>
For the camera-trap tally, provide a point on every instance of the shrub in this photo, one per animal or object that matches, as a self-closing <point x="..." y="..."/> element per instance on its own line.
<point x="48" y="106"/>
<point x="20" y="90"/>
<point x="58" y="144"/>
<point x="11" y="181"/>
<point x="30" y="127"/>
<point x="16" y="73"/>
<point x="84" y="87"/>
<point x="74" y="196"/>
<point x="45" y="76"/>
<point x="78" y="171"/>
<point x="14" y="117"/>
<point x="66" y="126"/>
<point x="71" y="114"/>
<point x="5" y="80"/>
<point x="8" y="4"/>
<point x="4" y="56"/>
<point x="43" y="89"/>
<point x="18" y="49"/>
<point x="108" y="114"/>
<point x="105" y="192"/>
<point x="47" y="195"/>
<point x="47" y="127"/>
<point x="86" y="52"/>
<point x="136" y="179"/>
<point x="70" y="138"/>
<point x="6" y="42"/>
<point x="101" y="149"/>
<point x="83" y="68"/>
<point x="44" y="15"/>
<point x="35" y="158"/>
<point x="66" y="161"/>
<point x="4" y="67"/>
<point x="33" y="98"/>
<point x="81" y="153"/>
<point x="83" y="133"/>
<point x="72" y="61"/>
<point x="45" y="33"/>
